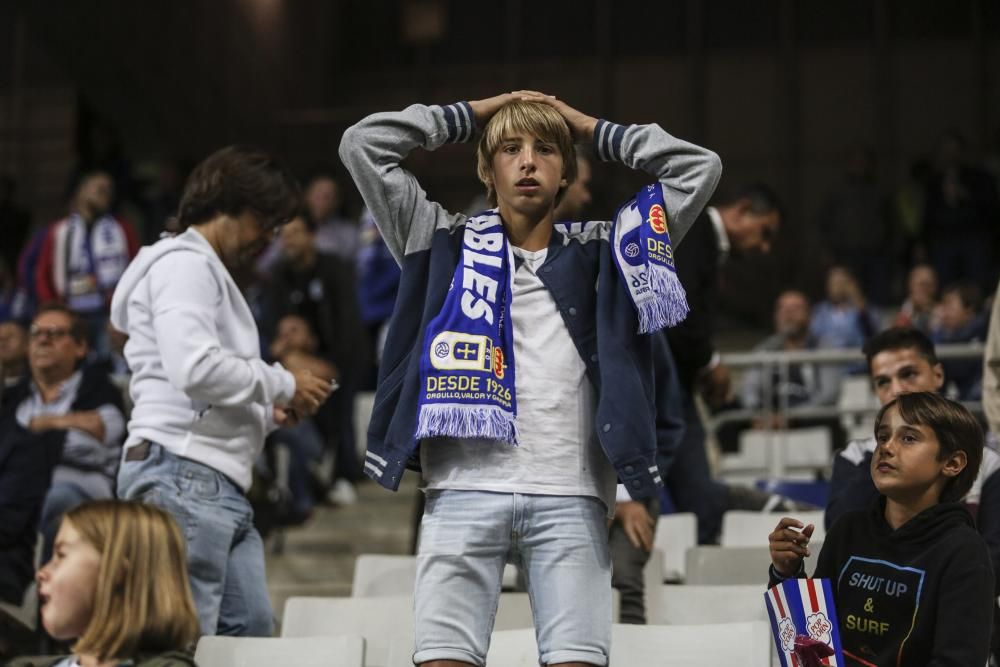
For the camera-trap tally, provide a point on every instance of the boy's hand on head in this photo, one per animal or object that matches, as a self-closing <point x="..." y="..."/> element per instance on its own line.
<point x="579" y="123"/>
<point x="484" y="109"/>
<point x="789" y="544"/>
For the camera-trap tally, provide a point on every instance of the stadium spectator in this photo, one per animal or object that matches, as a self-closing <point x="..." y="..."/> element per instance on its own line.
<point x="295" y="346"/>
<point x="902" y="360"/>
<point x="741" y="222"/>
<point x="76" y="406"/>
<point x="843" y="320"/>
<point x="82" y="257"/>
<point x="204" y="399"/>
<point x="13" y="354"/>
<point x="320" y="288"/>
<point x="920" y="308"/>
<point x="962" y="320"/>
<point x="117" y="586"/>
<point x="560" y="488"/>
<point x="805" y="384"/>
<point x="911" y="577"/>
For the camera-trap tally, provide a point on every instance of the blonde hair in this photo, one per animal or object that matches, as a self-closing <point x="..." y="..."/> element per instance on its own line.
<point x="534" y="118"/>
<point x="142" y="603"/>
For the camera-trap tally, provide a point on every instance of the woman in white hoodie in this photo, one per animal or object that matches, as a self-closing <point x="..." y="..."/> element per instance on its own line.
<point x="203" y="398"/>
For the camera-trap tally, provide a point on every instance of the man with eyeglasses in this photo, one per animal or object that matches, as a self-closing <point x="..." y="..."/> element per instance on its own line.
<point x="68" y="407"/>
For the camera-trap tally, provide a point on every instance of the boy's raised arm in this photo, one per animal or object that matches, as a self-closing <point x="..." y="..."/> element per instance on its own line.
<point x="687" y="173"/>
<point x="372" y="151"/>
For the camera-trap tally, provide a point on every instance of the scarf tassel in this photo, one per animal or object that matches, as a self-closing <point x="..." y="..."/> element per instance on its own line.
<point x="453" y="420"/>
<point x="669" y="308"/>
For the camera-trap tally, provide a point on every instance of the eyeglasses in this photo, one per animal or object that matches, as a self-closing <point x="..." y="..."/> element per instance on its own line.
<point x="49" y="333"/>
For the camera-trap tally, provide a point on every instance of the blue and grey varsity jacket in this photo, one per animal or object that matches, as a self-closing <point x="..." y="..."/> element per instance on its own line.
<point x="578" y="271"/>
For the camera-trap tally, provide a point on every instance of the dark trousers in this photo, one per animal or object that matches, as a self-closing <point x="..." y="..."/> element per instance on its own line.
<point x="690" y="481"/>
<point x="627" y="563"/>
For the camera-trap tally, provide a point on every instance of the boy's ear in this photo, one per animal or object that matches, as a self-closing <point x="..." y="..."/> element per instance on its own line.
<point x="955" y="463"/>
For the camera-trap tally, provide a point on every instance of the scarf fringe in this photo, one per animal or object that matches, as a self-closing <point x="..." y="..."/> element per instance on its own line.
<point x="669" y="307"/>
<point x="466" y="421"/>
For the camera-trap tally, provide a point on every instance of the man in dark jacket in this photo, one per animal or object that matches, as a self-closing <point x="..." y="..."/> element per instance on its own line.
<point x="320" y="288"/>
<point x="744" y="221"/>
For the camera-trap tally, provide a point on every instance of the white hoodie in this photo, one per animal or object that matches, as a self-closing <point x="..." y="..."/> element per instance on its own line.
<point x="198" y="383"/>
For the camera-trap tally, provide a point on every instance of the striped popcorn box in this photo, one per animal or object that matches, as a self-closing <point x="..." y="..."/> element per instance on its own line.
<point x="804" y="623"/>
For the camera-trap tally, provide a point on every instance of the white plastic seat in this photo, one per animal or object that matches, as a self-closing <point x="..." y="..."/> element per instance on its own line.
<point x="741" y="528"/>
<point x="776" y="453"/>
<point x="377" y="575"/>
<point x="342" y="651"/>
<point x="715" y="566"/>
<point x="745" y="644"/>
<point x="675" y="534"/>
<point x="368" y="617"/>
<point x="694" y="605"/>
<point x="652" y="579"/>
<point x="856" y="401"/>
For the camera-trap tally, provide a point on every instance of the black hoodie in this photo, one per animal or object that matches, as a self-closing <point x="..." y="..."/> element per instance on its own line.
<point x="918" y="596"/>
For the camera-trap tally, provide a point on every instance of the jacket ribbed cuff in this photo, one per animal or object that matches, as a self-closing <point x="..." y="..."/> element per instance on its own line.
<point x="608" y="141"/>
<point x="460" y="121"/>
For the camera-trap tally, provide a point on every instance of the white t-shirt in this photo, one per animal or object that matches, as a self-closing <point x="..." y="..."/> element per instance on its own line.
<point x="558" y="451"/>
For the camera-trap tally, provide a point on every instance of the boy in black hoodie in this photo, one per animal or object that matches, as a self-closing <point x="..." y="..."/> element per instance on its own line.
<point x="912" y="579"/>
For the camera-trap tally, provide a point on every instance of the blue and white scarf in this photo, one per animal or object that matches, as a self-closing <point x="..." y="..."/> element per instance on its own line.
<point x="89" y="261"/>
<point x="467" y="361"/>
<point x="645" y="260"/>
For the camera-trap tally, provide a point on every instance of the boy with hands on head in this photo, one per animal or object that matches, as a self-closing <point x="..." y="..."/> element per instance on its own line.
<point x="912" y="578"/>
<point x="514" y="375"/>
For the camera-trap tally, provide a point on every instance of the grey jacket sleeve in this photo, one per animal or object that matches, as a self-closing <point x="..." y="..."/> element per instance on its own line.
<point x="687" y="173"/>
<point x="372" y="151"/>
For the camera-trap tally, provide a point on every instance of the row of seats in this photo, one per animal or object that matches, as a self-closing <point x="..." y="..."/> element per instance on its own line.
<point x="677" y="540"/>
<point x="722" y="585"/>
<point x="746" y="644"/>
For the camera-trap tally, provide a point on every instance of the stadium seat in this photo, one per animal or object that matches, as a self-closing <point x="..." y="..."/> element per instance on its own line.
<point x="716" y="566"/>
<point x="744" y="644"/>
<point x="675" y="534"/>
<point x="776" y="453"/>
<point x="694" y="605"/>
<point x="377" y="575"/>
<point x="741" y="528"/>
<point x="342" y="651"/>
<point x="367" y="617"/>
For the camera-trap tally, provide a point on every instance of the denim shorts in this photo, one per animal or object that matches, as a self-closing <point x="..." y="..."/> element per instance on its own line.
<point x="559" y="542"/>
